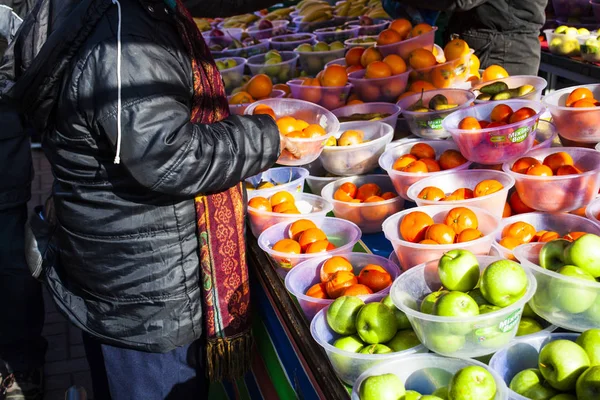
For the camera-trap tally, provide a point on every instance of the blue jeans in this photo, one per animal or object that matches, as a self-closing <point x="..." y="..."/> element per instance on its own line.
<point x="125" y="374"/>
<point x="22" y="346"/>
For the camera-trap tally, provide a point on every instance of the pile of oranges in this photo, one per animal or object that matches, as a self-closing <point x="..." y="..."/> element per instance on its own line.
<point x="401" y="29"/>
<point x="338" y="279"/>
<point x="366" y="193"/>
<point x="376" y="65"/>
<point x="259" y="87"/>
<point x="304" y="238"/>
<point x="421" y="159"/>
<point x="290" y="126"/>
<point x="581" y="97"/>
<point x="282" y="202"/>
<point x="483" y="188"/>
<point x="460" y="225"/>
<point x="559" y="163"/>
<point x="332" y="76"/>
<point x="519" y="233"/>
<point x="501" y="115"/>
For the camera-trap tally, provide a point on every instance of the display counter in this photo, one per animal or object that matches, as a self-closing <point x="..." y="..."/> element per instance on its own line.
<point x="574" y="70"/>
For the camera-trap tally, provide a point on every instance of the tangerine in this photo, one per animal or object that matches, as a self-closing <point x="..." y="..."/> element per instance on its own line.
<point x="367" y="190"/>
<point x="421" y="58"/>
<point x="422" y="150"/>
<point x="403" y="161"/>
<point x="396" y="64"/>
<point x="420" y="29"/>
<point x="370" y="55"/>
<point x="557" y="160"/>
<point x="450" y="159"/>
<point x="462" y="194"/>
<point x="333" y="265"/>
<point x="573" y="236"/>
<point x="417" y="167"/>
<point x="455" y="49"/>
<point x="282" y="197"/>
<point x="432" y="165"/>
<point x="402" y="26"/>
<point x="501" y="113"/>
<point x="288" y="246"/>
<point x="568" y="170"/>
<point x="286" y="125"/>
<point x="350" y="188"/>
<point x="486" y="187"/>
<point x="522" y="164"/>
<point x="286" y="207"/>
<point x="241" y="98"/>
<point x="389" y="195"/>
<point x="310" y="236"/>
<point x="353" y="56"/>
<point x="264" y="109"/>
<point x="334" y="76"/>
<point x="431" y="193"/>
<point x="440" y="233"/>
<point x="297" y="227"/>
<point x="317" y="291"/>
<point x="320" y="246"/>
<point x="507" y="212"/>
<point x="517" y="205"/>
<point x="421" y="86"/>
<point x="414" y="225"/>
<point x="377" y="70"/>
<point x="461" y="218"/>
<point x="259" y="86"/>
<point x="522" y="231"/>
<point x="509" y="242"/>
<point x="521" y="114"/>
<point x="388" y="36"/>
<point x="375" y="278"/>
<point x="469" y="123"/>
<point x="260" y="203"/>
<point x="357" y="290"/>
<point x="494" y="72"/>
<point x="539" y="170"/>
<point x="468" y="235"/>
<point x="338" y="282"/>
<point x="579" y="94"/>
<point x="314" y="130"/>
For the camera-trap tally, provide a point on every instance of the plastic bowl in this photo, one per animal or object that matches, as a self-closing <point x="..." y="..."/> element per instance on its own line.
<point x="384" y="90"/>
<point x="235" y="33"/>
<point x="563" y="45"/>
<point x="577" y="124"/>
<point x="494" y="252"/>
<point x="317" y="181"/>
<point x="358" y="159"/>
<point x="514" y="82"/>
<point x="310" y="149"/>
<point x="461" y="337"/>
<point x="403" y="180"/>
<point x="232" y="77"/>
<point x="290" y="179"/>
<point x="372" y="30"/>
<point x="238" y="109"/>
<point x="446" y="75"/>
<point x="341" y="233"/>
<point x="312" y="62"/>
<point x="313" y="26"/>
<point x="368" y="216"/>
<point x="349" y="366"/>
<point x="592" y="211"/>
<point x="571" y="8"/>
<point x="425" y="373"/>
<point x="404" y="48"/>
<point x="327" y="36"/>
<point x="494" y="145"/>
<point x="429" y="124"/>
<point x="354" y="42"/>
<point x="546" y="135"/>
<point x="244" y="52"/>
<point x="291" y="41"/>
<point x="554" y="286"/>
<point x="305" y="275"/>
<point x="279" y="28"/>
<point x="279" y="73"/>
<point x="449" y="182"/>
<point x="337" y="61"/>
<point x="411" y="254"/>
<point x="561" y="223"/>
<point x="327" y="97"/>
<point x="371" y="108"/>
<point x="311" y="207"/>
<point x="560" y="193"/>
<point x="589" y="53"/>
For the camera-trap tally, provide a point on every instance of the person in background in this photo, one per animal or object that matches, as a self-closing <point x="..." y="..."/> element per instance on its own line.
<point x="503" y="32"/>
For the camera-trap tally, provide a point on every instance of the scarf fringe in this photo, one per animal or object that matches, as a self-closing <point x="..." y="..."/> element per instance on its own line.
<point x="229" y="358"/>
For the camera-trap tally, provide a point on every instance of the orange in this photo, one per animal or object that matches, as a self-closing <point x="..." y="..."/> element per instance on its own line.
<point x="572" y="236"/>
<point x="521" y="114"/>
<point x="259" y="86"/>
<point x="456" y="48"/>
<point x="314" y="130"/>
<point x="317" y="291"/>
<point x="501" y="113"/>
<point x="334" y="76"/>
<point x="287" y="246"/>
<point x="353" y="68"/>
<point x="353" y="102"/>
<point x="388" y="36"/>
<point x="468" y="234"/>
<point x="341" y="195"/>
<point x="284" y="87"/>
<point x="548" y="237"/>
<point x="431" y="193"/>
<point x="338" y="282"/>
<point x="320" y="246"/>
<point x="517" y="205"/>
<point x="522" y="164"/>
<point x="370" y="55"/>
<point x="389" y="195"/>
<point x="451" y="159"/>
<point x="584" y="103"/>
<point x="282" y="197"/>
<point x="568" y="170"/>
<point x="300" y="226"/>
<point x="353" y="56"/>
<point x="440" y="233"/>
<point x="297" y="134"/>
<point x="432" y="165"/>
<point x="375" y="278"/>
<point x="507" y="212"/>
<point x="421" y="86"/>
<point x="300" y="125"/>
<point x="350" y="188"/>
<point x="396" y="64"/>
<point x="264" y="109"/>
<point x="333" y="265"/>
<point x="474" y="66"/>
<point x="286" y="207"/>
<point x="367" y="190"/>
<point x="486" y="187"/>
<point x="405" y="94"/>
<point x="260" y="203"/>
<point x="469" y="123"/>
<point x="579" y="94"/>
<point x="442" y="76"/>
<point x="402" y="26"/>
<point x="509" y="242"/>
<point x="403" y="161"/>
<point x="414" y="225"/>
<point x="421" y="58"/>
<point x="357" y="290"/>
<point x="313" y="92"/>
<point x="428" y="241"/>
<point x="286" y="125"/>
<point x="422" y="150"/>
<point x="420" y="29"/>
<point x="557" y="160"/>
<point x="310" y="236"/>
<point x="461" y="218"/>
<point x="494" y="72"/>
<point x="378" y="69"/>
<point x="375" y="213"/>
<point x="418" y="167"/>
<point x="241" y="98"/>
<point x="539" y="170"/>
<point x="462" y="194"/>
<point x="522" y="231"/>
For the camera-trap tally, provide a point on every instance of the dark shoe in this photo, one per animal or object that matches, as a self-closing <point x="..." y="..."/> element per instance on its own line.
<point x="23" y="385"/>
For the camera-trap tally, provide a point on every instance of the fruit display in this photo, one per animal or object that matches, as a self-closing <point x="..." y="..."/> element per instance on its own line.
<point x="337" y="33"/>
<point x="291" y="41"/>
<point x="236" y="48"/>
<point x="279" y="14"/>
<point x="239" y="21"/>
<point x="371" y="9"/>
<point x="401" y="38"/>
<point x="590" y="48"/>
<point x="266" y="29"/>
<point x="258" y="87"/>
<point x="279" y="66"/>
<point x="370" y="27"/>
<point x="329" y="90"/>
<point x="500" y="91"/>
<point x="266" y="183"/>
<point x="564" y="40"/>
<point x="314" y="11"/>
<point x="368" y="117"/>
<point x="369" y="112"/>
<point x="314" y="57"/>
<point x="232" y="71"/>
<point x="361" y="41"/>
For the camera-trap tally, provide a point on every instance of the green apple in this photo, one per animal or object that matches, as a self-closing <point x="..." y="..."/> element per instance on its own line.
<point x="272" y="67"/>
<point x="472" y="383"/>
<point x="404" y="340"/>
<point x="528" y="326"/>
<point x="590" y="342"/>
<point x="231" y="63"/>
<point x="376" y="349"/>
<point x="478" y="297"/>
<point x="530" y="383"/>
<point x="429" y="301"/>
<point x="382" y="387"/>
<point x="411" y="395"/>
<point x="571" y="32"/>
<point x="583" y="31"/>
<point x="492" y="337"/>
<point x="321" y="46"/>
<point x="352" y="343"/>
<point x="561" y="29"/>
<point x="304" y="48"/>
<point x="221" y="65"/>
<point x="564" y="396"/>
<point x="571" y="297"/>
<point x="342" y="313"/>
<point x="488" y="308"/>
<point x="503" y="283"/>
<point x="593" y="313"/>
<point x="561" y="362"/>
<point x="552" y="254"/>
<point x="336" y="46"/>
<point x="376" y="323"/>
<point x="430" y="397"/>
<point x="459" y="270"/>
<point x="284" y="73"/>
<point x="272" y="54"/>
<point x="441" y="392"/>
<point x="585" y="254"/>
<point x="588" y="384"/>
<point x="456" y="304"/>
<point x="592" y="46"/>
<point x="445" y="343"/>
<point x="401" y="318"/>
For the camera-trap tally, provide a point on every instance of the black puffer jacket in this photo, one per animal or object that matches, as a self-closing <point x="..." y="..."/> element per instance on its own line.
<point x="128" y="269"/>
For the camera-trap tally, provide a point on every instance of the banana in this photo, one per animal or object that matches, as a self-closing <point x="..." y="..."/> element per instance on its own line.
<point x="315" y="8"/>
<point x="318" y="15"/>
<point x="312" y="3"/>
<point x="343" y="10"/>
<point x="356" y="11"/>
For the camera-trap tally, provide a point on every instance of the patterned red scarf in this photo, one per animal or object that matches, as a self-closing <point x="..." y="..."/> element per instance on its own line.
<point x="226" y="289"/>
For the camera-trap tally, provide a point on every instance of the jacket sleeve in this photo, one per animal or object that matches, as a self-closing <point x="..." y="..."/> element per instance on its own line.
<point x="444" y="5"/>
<point x="160" y="147"/>
<point x="225" y="8"/>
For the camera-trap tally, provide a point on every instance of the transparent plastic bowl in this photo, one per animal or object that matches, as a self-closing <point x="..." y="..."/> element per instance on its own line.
<point x="313" y="26"/>
<point x="311" y="207"/>
<point x="290" y="179"/>
<point x="561" y="223"/>
<point x="546" y="135"/>
<point x="350" y="43"/>
<point x="494" y="252"/>
<point x="571" y="8"/>
<point x="244" y="52"/>
<point x="404" y="48"/>
<point x="424" y="373"/>
<point x="545" y="302"/>
<point x="327" y="97"/>
<point x="563" y="45"/>
<point x="494" y="145"/>
<point x="523" y="354"/>
<point x="384" y="90"/>
<point x="449" y="182"/>
<point x="372" y="30"/>
<point x="341" y="233"/>
<point x="329" y="37"/>
<point x="560" y="193"/>
<point x="368" y="216"/>
<point x="279" y="73"/>
<point x="446" y="75"/>
<point x="238" y="109"/>
<point x="317" y="183"/>
<point x="461" y="337"/>
<point x="313" y="62"/>
<point x="279" y="28"/>
<point x="592" y="211"/>
<point x="305" y="275"/>
<point x="403" y="180"/>
<point x="577" y="124"/>
<point x="371" y="108"/>
<point x="358" y="159"/>
<point x="411" y="254"/>
<point x="589" y="53"/>
<point x="229" y="33"/>
<point x="514" y="82"/>
<point x="281" y="43"/>
<point x="232" y="77"/>
<point x="337" y="61"/>
<point x="310" y="149"/>
<point x="429" y="124"/>
<point x="349" y="366"/>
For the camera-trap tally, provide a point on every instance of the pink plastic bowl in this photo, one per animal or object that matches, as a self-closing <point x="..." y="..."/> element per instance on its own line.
<point x="327" y="97"/>
<point x="447" y="75"/>
<point x="404" y="48"/>
<point x="378" y="90"/>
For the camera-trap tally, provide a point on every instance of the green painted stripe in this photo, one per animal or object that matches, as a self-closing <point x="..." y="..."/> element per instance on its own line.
<point x="217" y="392"/>
<point x="242" y="389"/>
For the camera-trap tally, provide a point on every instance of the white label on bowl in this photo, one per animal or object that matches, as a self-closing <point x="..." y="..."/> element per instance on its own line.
<point x="509" y="323"/>
<point x="435" y="124"/>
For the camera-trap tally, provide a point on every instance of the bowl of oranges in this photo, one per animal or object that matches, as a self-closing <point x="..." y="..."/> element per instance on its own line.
<point x="307" y="125"/>
<point x="401" y="38"/>
<point x="381" y="81"/>
<point x="273" y="180"/>
<point x="314" y="58"/>
<point x="495" y="133"/>
<point x="289" y="244"/>
<point x="355" y="149"/>
<point x="422" y="234"/>
<point x="330" y="90"/>
<point x="413" y="160"/>
<point x="285" y="206"/>
<point x="369" y="112"/>
<point x="486" y="189"/>
<point x="575" y="112"/>
<point x="556" y="179"/>
<point x="316" y="283"/>
<point x="365" y="200"/>
<point x="237" y="105"/>
<point x="454" y="72"/>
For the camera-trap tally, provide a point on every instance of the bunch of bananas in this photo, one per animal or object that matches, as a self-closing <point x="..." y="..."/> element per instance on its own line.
<point x="281" y="13"/>
<point x="203" y="24"/>
<point x="351" y="8"/>
<point x="314" y="10"/>
<point x="376" y="11"/>
<point x="240" y="21"/>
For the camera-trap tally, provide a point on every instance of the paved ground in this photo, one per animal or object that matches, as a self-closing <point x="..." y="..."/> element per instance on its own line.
<point x="66" y="364"/>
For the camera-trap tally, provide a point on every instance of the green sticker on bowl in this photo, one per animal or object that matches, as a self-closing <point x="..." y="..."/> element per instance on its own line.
<point x="518" y="135"/>
<point x="497" y="139"/>
<point x="511" y="321"/>
<point x="435" y="124"/>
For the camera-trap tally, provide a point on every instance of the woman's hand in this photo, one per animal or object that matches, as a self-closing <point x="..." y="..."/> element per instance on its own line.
<point x="286" y="144"/>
